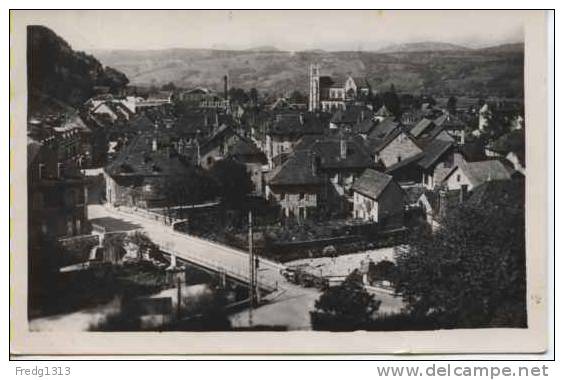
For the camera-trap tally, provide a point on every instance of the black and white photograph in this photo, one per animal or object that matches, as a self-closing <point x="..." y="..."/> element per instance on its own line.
<point x="276" y="171"/>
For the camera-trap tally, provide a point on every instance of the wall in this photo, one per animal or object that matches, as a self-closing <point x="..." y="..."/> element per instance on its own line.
<point x="365" y="208"/>
<point x="401" y="146"/>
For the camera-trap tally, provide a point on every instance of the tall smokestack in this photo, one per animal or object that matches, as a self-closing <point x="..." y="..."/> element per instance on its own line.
<point x="226" y="86"/>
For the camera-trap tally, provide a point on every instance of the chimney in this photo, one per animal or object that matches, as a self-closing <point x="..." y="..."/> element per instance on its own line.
<point x="301" y="118"/>
<point x="154" y="145"/>
<point x="313" y="159"/>
<point x="463" y="137"/>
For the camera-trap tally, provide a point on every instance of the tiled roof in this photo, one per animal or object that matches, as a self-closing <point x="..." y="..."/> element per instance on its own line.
<point x="482" y="171"/>
<point x="433" y="151"/>
<point x="297" y="170"/>
<point x="383" y="128"/>
<point x="372" y="183"/>
<point x="420" y="127"/>
<point x="137" y="158"/>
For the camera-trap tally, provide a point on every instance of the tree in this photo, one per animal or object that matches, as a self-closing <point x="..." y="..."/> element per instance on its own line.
<point x="384" y="270"/>
<point x="233" y="181"/>
<point x="345" y="307"/>
<point x="471" y="272"/>
<point x="253" y="95"/>
<point x="451" y="104"/>
<point x="391" y="101"/>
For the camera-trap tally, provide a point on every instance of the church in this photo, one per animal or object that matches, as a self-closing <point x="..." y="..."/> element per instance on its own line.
<point x="328" y="94"/>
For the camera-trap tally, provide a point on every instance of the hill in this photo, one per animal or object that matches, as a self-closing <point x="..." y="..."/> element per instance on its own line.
<point x="59" y="77"/>
<point x="472" y="72"/>
<point x="421" y="46"/>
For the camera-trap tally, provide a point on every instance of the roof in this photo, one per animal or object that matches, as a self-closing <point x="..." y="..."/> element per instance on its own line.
<point x="297" y="170"/>
<point x="420" y="127"/>
<point x="329" y="153"/>
<point x="245" y="150"/>
<point x="383" y="112"/>
<point x="433" y="152"/>
<point x="483" y="171"/>
<point x="297" y="124"/>
<point x="372" y="183"/>
<point x="405" y="162"/>
<point x="383" y="128"/>
<point x="351" y="115"/>
<point x="137" y="158"/>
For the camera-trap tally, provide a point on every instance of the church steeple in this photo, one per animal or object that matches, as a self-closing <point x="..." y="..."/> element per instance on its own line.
<point x="313" y="87"/>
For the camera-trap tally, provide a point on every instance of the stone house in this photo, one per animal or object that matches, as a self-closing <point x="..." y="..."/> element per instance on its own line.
<point x="378" y="198"/>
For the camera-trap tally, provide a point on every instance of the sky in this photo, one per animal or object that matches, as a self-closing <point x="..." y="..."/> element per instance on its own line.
<point x="286" y="30"/>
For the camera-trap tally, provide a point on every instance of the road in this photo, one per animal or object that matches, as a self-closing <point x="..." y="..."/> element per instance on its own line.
<point x="214" y="256"/>
<point x="289" y="305"/>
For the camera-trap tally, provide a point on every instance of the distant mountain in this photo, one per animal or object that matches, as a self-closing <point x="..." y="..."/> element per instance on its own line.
<point x="421" y="47"/>
<point x="460" y="71"/>
<point x="263" y="49"/>
<point x="59" y="77"/>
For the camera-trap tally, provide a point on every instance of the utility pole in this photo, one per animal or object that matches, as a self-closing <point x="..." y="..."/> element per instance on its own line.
<point x="251" y="270"/>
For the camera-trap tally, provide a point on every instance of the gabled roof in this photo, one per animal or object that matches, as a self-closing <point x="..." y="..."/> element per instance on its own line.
<point x="329" y="153"/>
<point x="383" y="128"/>
<point x="137" y="158"/>
<point x="433" y="152"/>
<point x="383" y="112"/>
<point x="297" y="170"/>
<point x="372" y="183"/>
<point x="482" y="171"/>
<point x="420" y="127"/>
<point x="245" y="150"/>
<point x="405" y="162"/>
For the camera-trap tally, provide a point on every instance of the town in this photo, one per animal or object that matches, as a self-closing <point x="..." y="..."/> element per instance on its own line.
<point x="341" y="205"/>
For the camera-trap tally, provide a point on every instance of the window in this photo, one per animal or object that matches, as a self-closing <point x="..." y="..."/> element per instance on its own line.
<point x="282" y="196"/>
<point x="302" y="196"/>
<point x="399" y="158"/>
<point x="458" y="178"/>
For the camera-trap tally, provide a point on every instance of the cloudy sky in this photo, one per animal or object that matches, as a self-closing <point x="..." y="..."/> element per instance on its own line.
<point x="286" y="30"/>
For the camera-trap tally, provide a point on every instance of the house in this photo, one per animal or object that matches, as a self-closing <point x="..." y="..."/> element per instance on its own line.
<point x="436" y="204"/>
<point x="248" y="154"/>
<point x="56" y="194"/>
<point x="346" y="119"/>
<point x="217" y="146"/>
<point x="378" y="198"/>
<point x="468" y="175"/>
<point x="393" y="148"/>
<point x="382" y="113"/>
<point x="340" y="161"/>
<point x="285" y="132"/>
<point x="296" y="185"/>
<point x="437" y="161"/>
<point x="139" y="174"/>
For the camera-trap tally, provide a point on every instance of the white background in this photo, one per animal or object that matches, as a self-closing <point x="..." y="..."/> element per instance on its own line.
<point x="271" y="370"/>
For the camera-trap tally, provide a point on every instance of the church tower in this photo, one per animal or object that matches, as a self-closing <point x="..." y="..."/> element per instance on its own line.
<point x="313" y="87"/>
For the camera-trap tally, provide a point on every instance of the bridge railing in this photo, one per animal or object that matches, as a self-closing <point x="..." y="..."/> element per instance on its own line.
<point x="216" y="266"/>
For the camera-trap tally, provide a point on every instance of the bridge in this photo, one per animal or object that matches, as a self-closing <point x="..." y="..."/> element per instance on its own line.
<point x="219" y="258"/>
